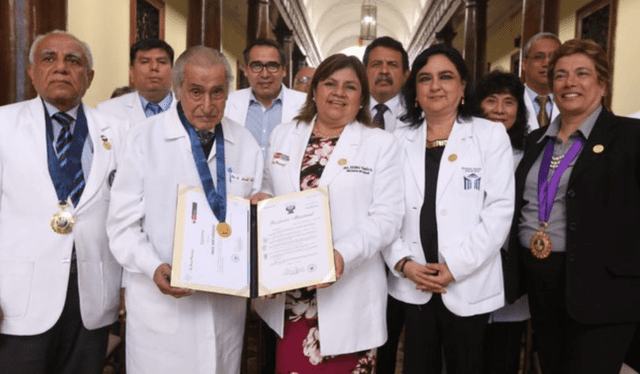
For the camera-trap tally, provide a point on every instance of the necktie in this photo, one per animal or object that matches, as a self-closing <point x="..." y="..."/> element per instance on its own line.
<point x="63" y="144"/>
<point x="206" y="140"/>
<point x="543" y="118"/>
<point x="152" y="109"/>
<point x="378" y="119"/>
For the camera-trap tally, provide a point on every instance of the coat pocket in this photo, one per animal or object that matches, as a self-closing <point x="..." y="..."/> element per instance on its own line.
<point x="15" y="288"/>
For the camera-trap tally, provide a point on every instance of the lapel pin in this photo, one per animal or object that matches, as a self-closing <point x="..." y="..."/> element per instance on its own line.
<point x="105" y="142"/>
<point x="342" y="161"/>
<point x="453" y="157"/>
<point x="598" y="148"/>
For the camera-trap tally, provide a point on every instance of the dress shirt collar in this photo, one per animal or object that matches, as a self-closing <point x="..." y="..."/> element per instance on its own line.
<point x="393" y="104"/>
<point x="164" y="104"/>
<point x="73" y="112"/>
<point x="252" y="98"/>
<point x="585" y="128"/>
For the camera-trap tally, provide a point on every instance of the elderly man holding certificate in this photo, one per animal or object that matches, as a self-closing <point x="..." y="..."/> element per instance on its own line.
<point x="169" y="329"/>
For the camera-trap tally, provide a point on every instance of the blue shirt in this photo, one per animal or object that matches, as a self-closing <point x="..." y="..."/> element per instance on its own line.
<point x="261" y="121"/>
<point x="165" y="104"/>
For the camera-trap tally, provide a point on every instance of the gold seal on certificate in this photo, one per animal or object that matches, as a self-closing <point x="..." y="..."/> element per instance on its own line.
<point x="540" y="243"/>
<point x="62" y="222"/>
<point x="223" y="229"/>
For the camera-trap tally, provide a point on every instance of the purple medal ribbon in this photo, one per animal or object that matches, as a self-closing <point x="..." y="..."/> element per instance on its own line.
<point x="547" y="190"/>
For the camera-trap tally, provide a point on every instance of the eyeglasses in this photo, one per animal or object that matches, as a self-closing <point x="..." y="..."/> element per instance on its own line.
<point x="257" y="66"/>
<point x="303" y="80"/>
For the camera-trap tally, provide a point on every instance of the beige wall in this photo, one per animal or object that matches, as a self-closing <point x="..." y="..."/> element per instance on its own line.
<point x="500" y="44"/>
<point x="626" y="79"/>
<point x="105" y="26"/>
<point x="234" y="40"/>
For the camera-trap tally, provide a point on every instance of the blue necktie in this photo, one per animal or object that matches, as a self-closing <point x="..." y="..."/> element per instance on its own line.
<point x="63" y="144"/>
<point x="152" y="109"/>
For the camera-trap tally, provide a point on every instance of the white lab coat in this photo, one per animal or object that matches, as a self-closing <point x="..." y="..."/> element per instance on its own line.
<point x="34" y="260"/>
<point x="365" y="196"/>
<point x="200" y="333"/>
<point x="472" y="222"/>
<point x="129" y="107"/>
<point x="238" y="104"/>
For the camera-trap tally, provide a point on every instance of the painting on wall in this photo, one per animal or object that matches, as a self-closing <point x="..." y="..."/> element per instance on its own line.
<point x="147" y="20"/>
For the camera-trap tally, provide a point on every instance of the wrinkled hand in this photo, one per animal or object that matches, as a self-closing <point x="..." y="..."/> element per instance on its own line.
<point x="255" y="199"/>
<point x="162" y="278"/>
<point x="339" y="264"/>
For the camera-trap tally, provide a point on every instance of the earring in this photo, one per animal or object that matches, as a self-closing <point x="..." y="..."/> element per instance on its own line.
<point x="462" y="102"/>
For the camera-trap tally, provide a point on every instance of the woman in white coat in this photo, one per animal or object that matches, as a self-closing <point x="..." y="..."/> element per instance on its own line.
<point x="459" y="194"/>
<point x="337" y="327"/>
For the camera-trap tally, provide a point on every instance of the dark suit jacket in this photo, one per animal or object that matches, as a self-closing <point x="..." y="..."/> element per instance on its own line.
<point x="603" y="223"/>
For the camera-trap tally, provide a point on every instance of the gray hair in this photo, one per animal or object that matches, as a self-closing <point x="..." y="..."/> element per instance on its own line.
<point x="535" y="38"/>
<point x="202" y="56"/>
<point x="38" y="39"/>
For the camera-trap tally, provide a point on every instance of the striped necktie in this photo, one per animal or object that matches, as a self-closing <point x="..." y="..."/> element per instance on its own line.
<point x="378" y="119"/>
<point x="63" y="145"/>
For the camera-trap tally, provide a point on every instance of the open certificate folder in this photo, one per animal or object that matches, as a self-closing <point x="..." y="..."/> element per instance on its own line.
<point x="281" y="244"/>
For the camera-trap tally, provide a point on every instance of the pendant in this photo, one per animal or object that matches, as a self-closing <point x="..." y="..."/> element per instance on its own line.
<point x="223" y="229"/>
<point x="540" y="243"/>
<point x="62" y="222"/>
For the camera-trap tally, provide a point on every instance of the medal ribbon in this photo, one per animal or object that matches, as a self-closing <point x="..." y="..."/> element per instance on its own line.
<point x="62" y="177"/>
<point x="217" y="199"/>
<point x="547" y="190"/>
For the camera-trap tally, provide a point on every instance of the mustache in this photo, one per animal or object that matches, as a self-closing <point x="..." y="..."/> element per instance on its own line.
<point x="384" y="78"/>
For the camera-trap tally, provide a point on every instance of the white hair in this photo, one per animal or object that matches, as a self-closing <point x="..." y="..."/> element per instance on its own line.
<point x="200" y="55"/>
<point x="85" y="46"/>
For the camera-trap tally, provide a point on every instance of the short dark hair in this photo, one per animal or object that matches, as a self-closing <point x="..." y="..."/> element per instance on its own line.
<point x="590" y="49"/>
<point x="266" y="43"/>
<point x="390" y="43"/>
<point x="329" y="66"/>
<point x="148" y="44"/>
<point x="414" y="114"/>
<point x="499" y="82"/>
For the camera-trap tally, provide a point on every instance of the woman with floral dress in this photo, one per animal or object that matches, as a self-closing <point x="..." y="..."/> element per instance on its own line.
<point x="336" y="328"/>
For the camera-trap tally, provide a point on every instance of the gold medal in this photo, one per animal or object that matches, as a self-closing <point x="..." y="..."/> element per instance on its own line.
<point x="342" y="162"/>
<point x="224" y="230"/>
<point x="105" y="142"/>
<point x="540" y="243"/>
<point x="453" y="157"/>
<point x="63" y="221"/>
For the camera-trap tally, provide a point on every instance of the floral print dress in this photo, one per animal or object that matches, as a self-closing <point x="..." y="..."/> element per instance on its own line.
<point x="298" y="352"/>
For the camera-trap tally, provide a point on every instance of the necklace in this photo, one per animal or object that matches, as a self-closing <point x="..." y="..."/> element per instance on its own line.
<point x="333" y="134"/>
<point x="436" y="143"/>
<point x="555" y="161"/>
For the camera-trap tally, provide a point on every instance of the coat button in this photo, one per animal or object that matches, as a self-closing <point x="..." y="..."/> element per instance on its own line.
<point x="443" y="212"/>
<point x="572" y="226"/>
<point x="571" y="193"/>
<point x="571" y="257"/>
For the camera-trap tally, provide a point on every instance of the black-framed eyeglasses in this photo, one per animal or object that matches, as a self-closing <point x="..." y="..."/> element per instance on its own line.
<point x="257" y="66"/>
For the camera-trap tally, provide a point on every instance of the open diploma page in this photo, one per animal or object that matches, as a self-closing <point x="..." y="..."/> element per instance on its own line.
<point x="284" y="243"/>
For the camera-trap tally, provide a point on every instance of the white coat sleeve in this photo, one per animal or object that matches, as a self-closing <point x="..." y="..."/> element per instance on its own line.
<point x="483" y="242"/>
<point x="128" y="242"/>
<point x="385" y="212"/>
